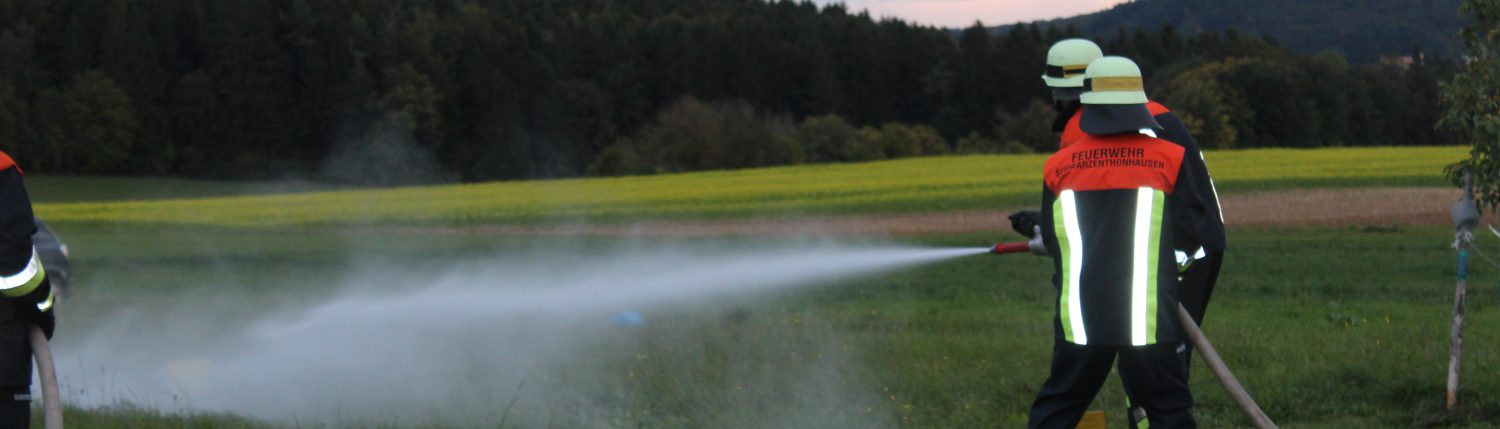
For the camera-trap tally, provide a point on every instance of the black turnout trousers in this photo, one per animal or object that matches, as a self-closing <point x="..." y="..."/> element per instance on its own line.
<point x="15" y="375"/>
<point x="1194" y="291"/>
<point x="1155" y="378"/>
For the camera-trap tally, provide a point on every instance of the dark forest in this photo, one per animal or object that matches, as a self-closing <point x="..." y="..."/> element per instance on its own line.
<point x="421" y="91"/>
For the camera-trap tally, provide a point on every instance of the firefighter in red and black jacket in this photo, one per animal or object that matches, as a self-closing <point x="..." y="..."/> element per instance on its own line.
<point x="1066" y="62"/>
<point x="28" y="297"/>
<point x="1117" y="206"/>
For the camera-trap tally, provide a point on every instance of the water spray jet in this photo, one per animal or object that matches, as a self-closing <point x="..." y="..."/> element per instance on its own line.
<point x="498" y="321"/>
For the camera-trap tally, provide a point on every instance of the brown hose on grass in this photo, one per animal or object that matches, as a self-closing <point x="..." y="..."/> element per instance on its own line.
<point x="1221" y="372"/>
<point x="51" y="399"/>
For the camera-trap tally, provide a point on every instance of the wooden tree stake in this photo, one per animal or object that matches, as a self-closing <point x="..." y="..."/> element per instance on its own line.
<point x="1465" y="224"/>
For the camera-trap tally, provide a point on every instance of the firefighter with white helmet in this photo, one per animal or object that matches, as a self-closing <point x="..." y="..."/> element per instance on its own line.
<point x="1117" y="205"/>
<point x="1201" y="276"/>
<point x="1067" y="61"/>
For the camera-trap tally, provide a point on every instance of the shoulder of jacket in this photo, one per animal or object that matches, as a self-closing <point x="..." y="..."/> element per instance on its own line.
<point x="6" y="163"/>
<point x="1157" y="108"/>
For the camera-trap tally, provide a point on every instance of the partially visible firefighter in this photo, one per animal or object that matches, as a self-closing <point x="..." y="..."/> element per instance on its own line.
<point x="1067" y="61"/>
<point x="1119" y="205"/>
<point x="28" y="297"/>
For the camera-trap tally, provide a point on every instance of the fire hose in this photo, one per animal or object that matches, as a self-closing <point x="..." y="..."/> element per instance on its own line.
<point x="1195" y="337"/>
<point x="51" y="399"/>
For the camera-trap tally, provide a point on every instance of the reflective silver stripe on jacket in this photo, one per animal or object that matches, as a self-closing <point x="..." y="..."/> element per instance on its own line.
<point x="26" y="280"/>
<point x="1072" y="304"/>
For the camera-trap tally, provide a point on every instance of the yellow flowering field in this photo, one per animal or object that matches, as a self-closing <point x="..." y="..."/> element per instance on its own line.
<point x="909" y="185"/>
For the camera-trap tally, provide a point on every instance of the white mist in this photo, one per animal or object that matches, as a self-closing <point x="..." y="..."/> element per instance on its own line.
<point x="410" y="345"/>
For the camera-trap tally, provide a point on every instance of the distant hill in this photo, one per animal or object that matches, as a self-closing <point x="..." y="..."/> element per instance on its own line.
<point x="1363" y="30"/>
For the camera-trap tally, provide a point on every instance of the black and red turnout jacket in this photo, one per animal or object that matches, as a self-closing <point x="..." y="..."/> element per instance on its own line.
<point x="1212" y="229"/>
<point x="23" y="281"/>
<point x="1115" y="210"/>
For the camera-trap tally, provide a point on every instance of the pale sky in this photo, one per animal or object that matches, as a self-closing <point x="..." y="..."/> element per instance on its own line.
<point x="962" y="13"/>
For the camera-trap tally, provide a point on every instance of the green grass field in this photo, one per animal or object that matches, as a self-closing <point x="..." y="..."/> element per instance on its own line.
<point x="1328" y="327"/>
<point x="1337" y="328"/>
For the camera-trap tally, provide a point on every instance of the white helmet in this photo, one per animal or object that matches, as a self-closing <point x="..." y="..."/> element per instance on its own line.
<point x="1114" y="98"/>
<point x="1067" y="60"/>
<point x="1113" y="80"/>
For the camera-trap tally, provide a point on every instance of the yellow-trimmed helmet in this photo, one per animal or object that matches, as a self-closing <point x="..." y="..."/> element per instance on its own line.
<point x="1114" y="98"/>
<point x="1067" y="60"/>
<point x="1113" y="80"/>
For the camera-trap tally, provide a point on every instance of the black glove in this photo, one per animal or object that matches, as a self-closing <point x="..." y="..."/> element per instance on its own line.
<point x="28" y="313"/>
<point x="1025" y="222"/>
<point x="30" y="308"/>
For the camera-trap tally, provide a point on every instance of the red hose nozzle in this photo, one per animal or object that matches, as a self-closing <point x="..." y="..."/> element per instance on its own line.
<point x="1016" y="247"/>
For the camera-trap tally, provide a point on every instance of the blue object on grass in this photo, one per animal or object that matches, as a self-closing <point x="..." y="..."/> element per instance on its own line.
<point x="628" y="318"/>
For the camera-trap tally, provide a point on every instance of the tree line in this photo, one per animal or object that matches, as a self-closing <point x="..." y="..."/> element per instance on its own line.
<point x="413" y="91"/>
